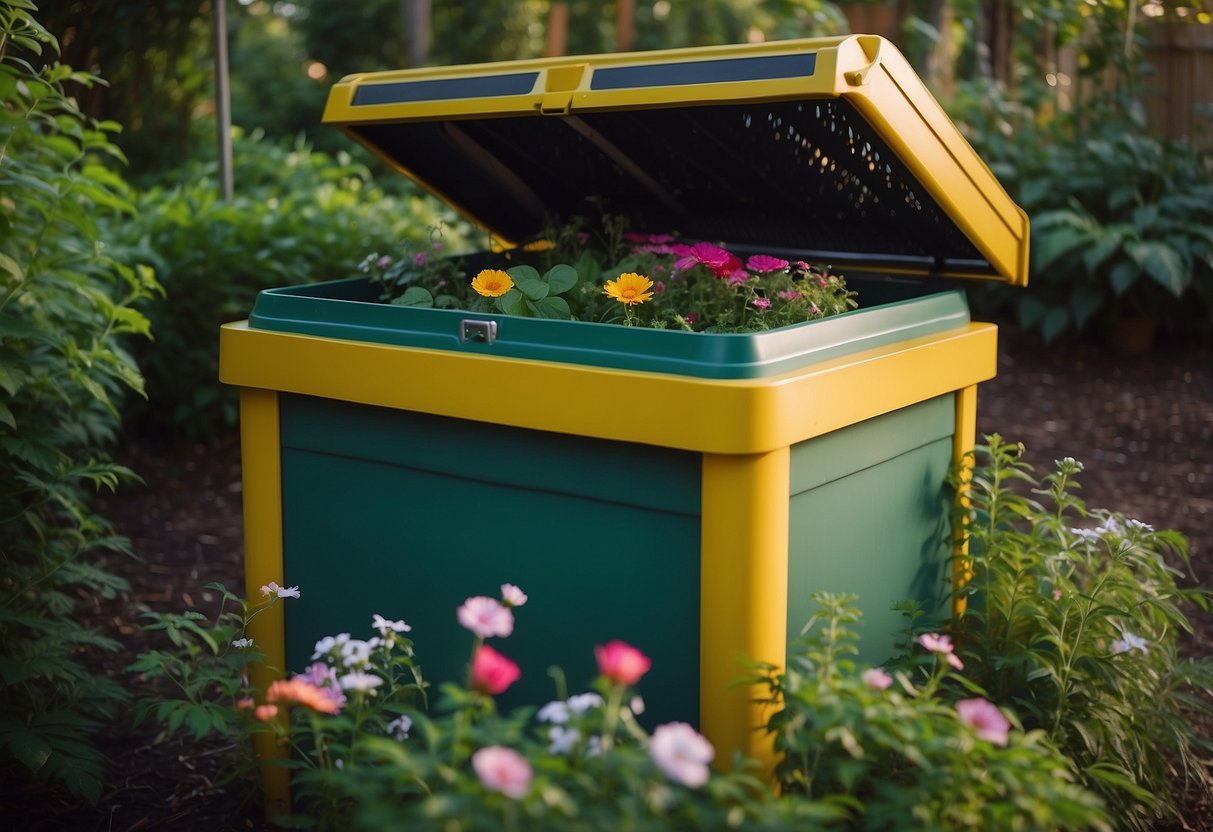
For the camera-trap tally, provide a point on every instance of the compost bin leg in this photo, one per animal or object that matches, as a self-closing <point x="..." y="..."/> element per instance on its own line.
<point x="743" y="596"/>
<point x="261" y="465"/>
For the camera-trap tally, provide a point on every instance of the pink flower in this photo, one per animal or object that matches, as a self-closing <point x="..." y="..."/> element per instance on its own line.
<point x="621" y="663"/>
<point x="492" y="672"/>
<point x="384" y="262"/>
<point x="762" y="263"/>
<point x="941" y="646"/>
<point x="714" y="257"/>
<point x="504" y="770"/>
<point x="762" y="303"/>
<point x="264" y="713"/>
<point x="512" y="596"/>
<point x="1057" y="595"/>
<point x="876" y="678"/>
<point x="246" y="704"/>
<point x="486" y="617"/>
<point x="419" y="258"/>
<point x="789" y="294"/>
<point x="737" y="277"/>
<point x="658" y="287"/>
<point x="682" y="753"/>
<point x="984" y="717"/>
<point x="690" y="317"/>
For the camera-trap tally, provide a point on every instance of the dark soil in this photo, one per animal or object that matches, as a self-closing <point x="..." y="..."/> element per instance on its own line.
<point x="1142" y="426"/>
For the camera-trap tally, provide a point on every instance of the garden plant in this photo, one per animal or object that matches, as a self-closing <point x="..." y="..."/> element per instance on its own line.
<point x="66" y="308"/>
<point x="1056" y="700"/>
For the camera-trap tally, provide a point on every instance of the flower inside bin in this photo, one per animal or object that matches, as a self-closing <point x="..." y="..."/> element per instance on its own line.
<point x="613" y="276"/>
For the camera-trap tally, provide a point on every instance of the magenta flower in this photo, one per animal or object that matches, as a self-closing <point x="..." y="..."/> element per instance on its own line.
<point x="504" y="770"/>
<point x="763" y="263"/>
<point x="762" y="303"/>
<point x="621" y="663"/>
<point x="876" y="678"/>
<point x="984" y="717"/>
<point x="658" y="287"/>
<point x="691" y="318"/>
<point x="941" y="646"/>
<point x="682" y="753"/>
<point x="486" y="617"/>
<point x="419" y="258"/>
<point x="492" y="672"/>
<point x="736" y="278"/>
<point x="384" y="262"/>
<point x="714" y="257"/>
<point x="788" y="294"/>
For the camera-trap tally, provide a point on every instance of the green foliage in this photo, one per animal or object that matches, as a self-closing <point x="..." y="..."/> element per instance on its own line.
<point x="1136" y="244"/>
<point x="1072" y="620"/>
<point x="156" y="55"/>
<point x="64" y="305"/>
<point x="894" y="753"/>
<point x="298" y="216"/>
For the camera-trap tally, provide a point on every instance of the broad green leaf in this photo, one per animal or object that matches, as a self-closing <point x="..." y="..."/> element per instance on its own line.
<point x="1163" y="264"/>
<point x="1084" y="303"/>
<point x="553" y="307"/>
<point x="415" y="296"/>
<point x="32" y="750"/>
<point x="561" y="278"/>
<point x="6" y="416"/>
<point x="533" y="287"/>
<point x="512" y="303"/>
<point x="11" y="266"/>
<point x="1123" y="275"/>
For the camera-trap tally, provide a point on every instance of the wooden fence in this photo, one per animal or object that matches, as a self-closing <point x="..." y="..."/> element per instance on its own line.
<point x="1179" y="92"/>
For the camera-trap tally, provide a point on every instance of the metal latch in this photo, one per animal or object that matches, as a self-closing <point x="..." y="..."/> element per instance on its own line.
<point x="472" y="330"/>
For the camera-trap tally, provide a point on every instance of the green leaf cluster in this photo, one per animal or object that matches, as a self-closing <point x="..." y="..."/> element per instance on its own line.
<point x="298" y="216"/>
<point x="1072" y="618"/>
<point x="66" y="306"/>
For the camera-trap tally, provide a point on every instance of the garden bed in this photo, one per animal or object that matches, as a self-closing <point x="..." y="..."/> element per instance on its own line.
<point x="1143" y="427"/>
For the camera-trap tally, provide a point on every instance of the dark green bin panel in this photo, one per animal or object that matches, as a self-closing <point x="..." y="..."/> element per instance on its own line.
<point x="406" y="515"/>
<point x="869" y="517"/>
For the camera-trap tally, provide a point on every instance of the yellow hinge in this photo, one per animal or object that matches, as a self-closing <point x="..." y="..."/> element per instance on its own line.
<point x="559" y="84"/>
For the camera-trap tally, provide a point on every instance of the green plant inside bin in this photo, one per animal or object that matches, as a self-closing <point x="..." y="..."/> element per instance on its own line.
<point x="649" y="280"/>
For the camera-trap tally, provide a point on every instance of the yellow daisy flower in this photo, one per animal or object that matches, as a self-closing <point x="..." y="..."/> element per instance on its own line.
<point x="629" y="288"/>
<point x="492" y="283"/>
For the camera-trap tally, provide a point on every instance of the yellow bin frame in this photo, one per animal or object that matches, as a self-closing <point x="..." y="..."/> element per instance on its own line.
<point x="745" y="447"/>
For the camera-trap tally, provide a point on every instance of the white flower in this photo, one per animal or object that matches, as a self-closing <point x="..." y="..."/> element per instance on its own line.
<point x="383" y="625"/>
<point x="562" y="739"/>
<point x="682" y="753"/>
<point x="282" y="592"/>
<point x="555" y="712"/>
<point x="512" y="596"/>
<point x="1129" y="641"/>
<point x="636" y="705"/>
<point x="355" y="652"/>
<point x="1137" y="524"/>
<point x="400" y="727"/>
<point x="243" y="642"/>
<point x="327" y="644"/>
<point x="358" y="680"/>
<point x="582" y="702"/>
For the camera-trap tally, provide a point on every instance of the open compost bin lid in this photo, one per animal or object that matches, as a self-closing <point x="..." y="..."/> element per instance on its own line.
<point x="827" y="149"/>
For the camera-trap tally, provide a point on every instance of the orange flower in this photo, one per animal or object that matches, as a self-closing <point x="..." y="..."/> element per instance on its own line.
<point x="629" y="288"/>
<point x="303" y="692"/>
<point x="492" y="283"/>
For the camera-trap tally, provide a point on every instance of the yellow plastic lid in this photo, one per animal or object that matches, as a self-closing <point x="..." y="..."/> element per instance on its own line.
<point x="830" y="150"/>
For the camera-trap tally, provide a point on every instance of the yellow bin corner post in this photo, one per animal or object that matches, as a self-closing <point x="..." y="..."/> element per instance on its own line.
<point x="261" y="464"/>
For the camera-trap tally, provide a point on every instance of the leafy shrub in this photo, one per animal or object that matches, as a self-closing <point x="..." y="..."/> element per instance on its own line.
<point x="897" y="754"/>
<point x="64" y="303"/>
<point x="1138" y="243"/>
<point x="298" y="216"/>
<point x="1072" y="620"/>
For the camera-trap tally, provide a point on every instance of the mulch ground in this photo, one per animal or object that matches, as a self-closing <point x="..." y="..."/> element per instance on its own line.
<point x="1142" y="426"/>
